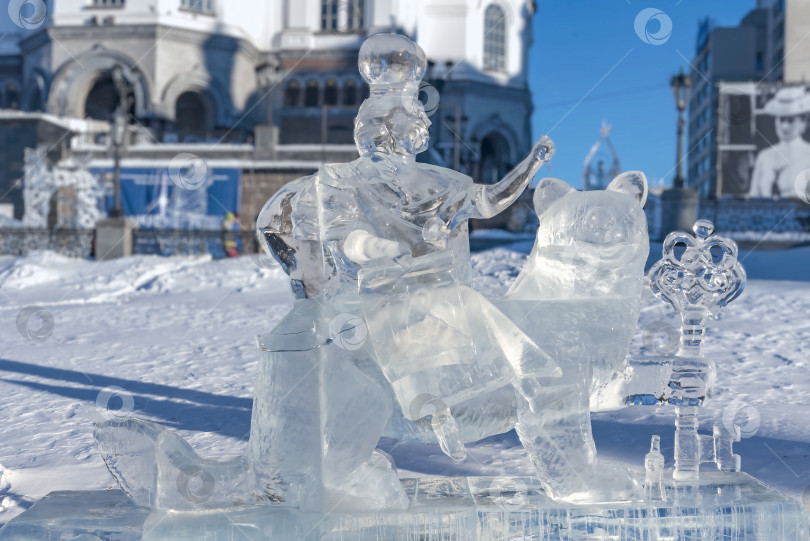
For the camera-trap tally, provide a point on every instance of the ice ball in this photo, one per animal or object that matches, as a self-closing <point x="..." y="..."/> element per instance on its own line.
<point x="391" y="59"/>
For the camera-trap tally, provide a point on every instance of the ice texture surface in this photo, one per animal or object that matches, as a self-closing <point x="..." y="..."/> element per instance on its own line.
<point x="578" y="299"/>
<point x="389" y="235"/>
<point x="721" y="506"/>
<point x="388" y="336"/>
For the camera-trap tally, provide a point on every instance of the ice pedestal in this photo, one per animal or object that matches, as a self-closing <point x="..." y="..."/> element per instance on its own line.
<point x="84" y="516"/>
<point x="718" y="506"/>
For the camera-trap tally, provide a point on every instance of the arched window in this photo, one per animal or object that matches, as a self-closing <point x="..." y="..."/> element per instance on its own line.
<point x="366" y="91"/>
<point x="494" y="156"/>
<point x="191" y="113"/>
<point x="494" y="38"/>
<point x="292" y="94"/>
<point x="350" y="92"/>
<point x="311" y="94"/>
<point x="12" y="96"/>
<point x="330" y="93"/>
<point x="103" y="99"/>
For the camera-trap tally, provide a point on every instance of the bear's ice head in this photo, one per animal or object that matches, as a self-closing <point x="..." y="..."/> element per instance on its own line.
<point x="589" y="243"/>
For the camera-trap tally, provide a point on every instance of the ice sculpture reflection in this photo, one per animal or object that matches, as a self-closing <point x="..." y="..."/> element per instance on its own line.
<point x="387" y="335"/>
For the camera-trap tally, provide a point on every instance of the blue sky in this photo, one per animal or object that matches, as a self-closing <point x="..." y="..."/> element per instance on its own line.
<point x="589" y="49"/>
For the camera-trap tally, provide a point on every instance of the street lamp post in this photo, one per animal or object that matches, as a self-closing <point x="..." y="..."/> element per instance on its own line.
<point x="679" y="205"/>
<point x="681" y="85"/>
<point x="118" y="139"/>
<point x="115" y="234"/>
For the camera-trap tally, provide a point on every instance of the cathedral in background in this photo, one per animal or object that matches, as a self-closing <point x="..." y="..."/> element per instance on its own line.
<point x="262" y="92"/>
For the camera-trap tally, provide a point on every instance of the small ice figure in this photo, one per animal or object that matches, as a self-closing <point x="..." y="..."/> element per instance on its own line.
<point x="699" y="281"/>
<point x="654" y="471"/>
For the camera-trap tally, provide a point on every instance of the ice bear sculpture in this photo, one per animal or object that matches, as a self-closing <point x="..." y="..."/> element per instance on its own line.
<point x="578" y="299"/>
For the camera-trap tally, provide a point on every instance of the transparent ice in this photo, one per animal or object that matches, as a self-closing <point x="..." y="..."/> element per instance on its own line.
<point x="698" y="282"/>
<point x="578" y="299"/>
<point x="387" y="337"/>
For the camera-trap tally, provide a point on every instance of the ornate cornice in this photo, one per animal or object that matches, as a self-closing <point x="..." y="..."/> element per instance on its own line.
<point x="154" y="32"/>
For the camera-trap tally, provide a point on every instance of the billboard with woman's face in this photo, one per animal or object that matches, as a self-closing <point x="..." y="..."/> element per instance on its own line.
<point x="764" y="140"/>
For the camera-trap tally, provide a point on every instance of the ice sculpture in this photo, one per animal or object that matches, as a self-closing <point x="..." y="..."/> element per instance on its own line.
<point x="387" y="336"/>
<point x="386" y="236"/>
<point x="701" y="282"/>
<point x="698" y="279"/>
<point x="387" y="331"/>
<point x="70" y="181"/>
<point x="578" y="298"/>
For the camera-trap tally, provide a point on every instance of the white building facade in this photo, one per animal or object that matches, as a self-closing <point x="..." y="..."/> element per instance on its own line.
<point x="278" y="75"/>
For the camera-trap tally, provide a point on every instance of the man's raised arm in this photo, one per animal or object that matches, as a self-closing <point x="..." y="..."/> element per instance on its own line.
<point x="489" y="200"/>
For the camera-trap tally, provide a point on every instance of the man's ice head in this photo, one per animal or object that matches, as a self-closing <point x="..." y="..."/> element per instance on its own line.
<point x="392" y="120"/>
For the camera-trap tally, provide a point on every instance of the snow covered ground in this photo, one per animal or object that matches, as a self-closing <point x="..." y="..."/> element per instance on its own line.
<point x="172" y="340"/>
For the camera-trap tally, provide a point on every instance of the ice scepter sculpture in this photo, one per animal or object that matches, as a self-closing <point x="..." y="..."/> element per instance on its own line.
<point x="701" y="282"/>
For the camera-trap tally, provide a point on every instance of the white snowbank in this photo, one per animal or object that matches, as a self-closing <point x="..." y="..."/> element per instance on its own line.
<point x="177" y="335"/>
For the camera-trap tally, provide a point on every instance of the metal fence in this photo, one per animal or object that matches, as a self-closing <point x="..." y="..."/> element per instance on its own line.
<point x="69" y="242"/>
<point x="174" y="242"/>
<point x="79" y="242"/>
<point x="757" y="215"/>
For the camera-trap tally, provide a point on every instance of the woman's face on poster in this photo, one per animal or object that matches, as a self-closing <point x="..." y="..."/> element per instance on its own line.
<point x="788" y="128"/>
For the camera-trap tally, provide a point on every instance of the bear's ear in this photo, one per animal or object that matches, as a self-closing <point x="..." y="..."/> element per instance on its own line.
<point x="549" y="190"/>
<point x="633" y="183"/>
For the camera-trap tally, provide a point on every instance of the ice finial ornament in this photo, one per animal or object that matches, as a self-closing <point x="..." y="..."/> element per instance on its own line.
<point x="704" y="279"/>
<point x="706" y="275"/>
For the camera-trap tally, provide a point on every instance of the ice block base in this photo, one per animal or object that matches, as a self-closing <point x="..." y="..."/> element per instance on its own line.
<point x="719" y="506"/>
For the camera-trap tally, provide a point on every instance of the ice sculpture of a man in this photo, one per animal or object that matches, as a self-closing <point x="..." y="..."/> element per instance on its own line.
<point x="387" y="238"/>
<point x="380" y="245"/>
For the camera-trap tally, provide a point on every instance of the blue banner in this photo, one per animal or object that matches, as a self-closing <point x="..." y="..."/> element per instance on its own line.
<point x="160" y="198"/>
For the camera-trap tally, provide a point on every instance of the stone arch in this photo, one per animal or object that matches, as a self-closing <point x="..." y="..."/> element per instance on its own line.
<point x="200" y="83"/>
<point x="349" y="91"/>
<point x="103" y="99"/>
<point x="73" y="81"/>
<point x="331" y="92"/>
<point x="312" y="93"/>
